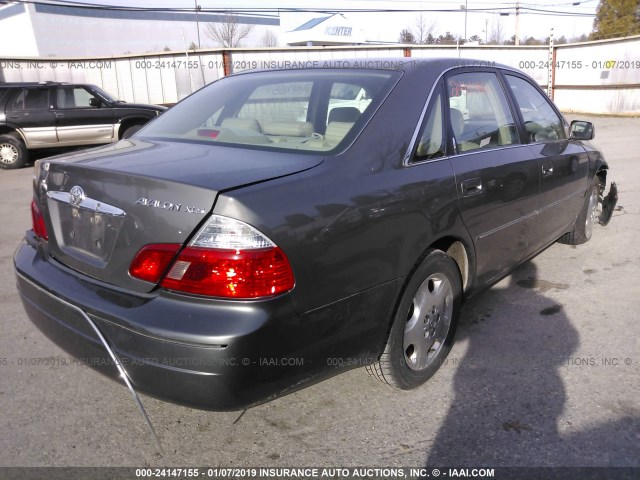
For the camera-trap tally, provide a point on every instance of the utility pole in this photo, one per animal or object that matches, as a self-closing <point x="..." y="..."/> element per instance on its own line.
<point x="486" y="30"/>
<point x="465" y="21"/>
<point x="464" y="7"/>
<point x="517" y="42"/>
<point x="198" y="23"/>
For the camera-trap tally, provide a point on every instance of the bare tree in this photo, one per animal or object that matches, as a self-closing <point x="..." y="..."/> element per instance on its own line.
<point x="269" y="39"/>
<point x="497" y="32"/>
<point x="406" y="36"/>
<point x="423" y="29"/>
<point x="229" y="32"/>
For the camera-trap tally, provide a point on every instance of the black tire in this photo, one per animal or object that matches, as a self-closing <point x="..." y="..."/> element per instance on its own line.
<point x="424" y="324"/>
<point x="583" y="228"/>
<point x="13" y="152"/>
<point x="130" y="131"/>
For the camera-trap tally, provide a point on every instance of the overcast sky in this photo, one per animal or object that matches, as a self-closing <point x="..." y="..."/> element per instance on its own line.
<point x="386" y="26"/>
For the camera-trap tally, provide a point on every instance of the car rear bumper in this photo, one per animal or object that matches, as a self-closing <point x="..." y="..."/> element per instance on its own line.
<point x="209" y="354"/>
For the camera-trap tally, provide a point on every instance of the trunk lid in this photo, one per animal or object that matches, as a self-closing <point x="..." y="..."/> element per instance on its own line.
<point x="102" y="206"/>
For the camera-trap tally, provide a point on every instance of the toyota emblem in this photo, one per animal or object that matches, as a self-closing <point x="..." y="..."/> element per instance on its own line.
<point x="76" y="195"/>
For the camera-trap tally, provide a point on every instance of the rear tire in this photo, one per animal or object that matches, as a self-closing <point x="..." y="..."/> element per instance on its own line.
<point x="424" y="325"/>
<point x="13" y="152"/>
<point x="583" y="228"/>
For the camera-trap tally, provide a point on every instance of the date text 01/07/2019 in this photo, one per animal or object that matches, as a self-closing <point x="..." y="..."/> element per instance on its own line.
<point x="579" y="64"/>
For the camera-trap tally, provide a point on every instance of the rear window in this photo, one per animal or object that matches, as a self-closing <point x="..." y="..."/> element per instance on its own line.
<point x="311" y="110"/>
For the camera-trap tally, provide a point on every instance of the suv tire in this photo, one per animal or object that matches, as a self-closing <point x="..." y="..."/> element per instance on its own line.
<point x="13" y="152"/>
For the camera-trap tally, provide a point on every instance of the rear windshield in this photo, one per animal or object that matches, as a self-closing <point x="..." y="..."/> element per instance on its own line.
<point x="305" y="110"/>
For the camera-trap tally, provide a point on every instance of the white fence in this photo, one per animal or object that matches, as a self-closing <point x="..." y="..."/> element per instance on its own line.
<point x="592" y="77"/>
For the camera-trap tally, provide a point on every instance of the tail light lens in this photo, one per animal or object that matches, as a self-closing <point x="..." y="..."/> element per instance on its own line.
<point x="37" y="221"/>
<point x="242" y="274"/>
<point x="152" y="261"/>
<point x="226" y="258"/>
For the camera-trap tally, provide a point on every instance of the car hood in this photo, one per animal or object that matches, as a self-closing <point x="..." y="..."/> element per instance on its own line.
<point x="142" y="106"/>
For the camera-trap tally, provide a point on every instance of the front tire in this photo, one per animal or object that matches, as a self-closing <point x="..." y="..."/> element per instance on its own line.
<point x="583" y="228"/>
<point x="424" y="325"/>
<point x="13" y="152"/>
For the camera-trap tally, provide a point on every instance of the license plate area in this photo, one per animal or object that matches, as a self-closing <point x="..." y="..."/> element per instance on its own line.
<point x="87" y="230"/>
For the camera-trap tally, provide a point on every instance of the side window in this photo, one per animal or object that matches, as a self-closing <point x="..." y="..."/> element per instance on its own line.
<point x="431" y="139"/>
<point x="479" y="113"/>
<point x="74" y="97"/>
<point x="32" y="99"/>
<point x="540" y="120"/>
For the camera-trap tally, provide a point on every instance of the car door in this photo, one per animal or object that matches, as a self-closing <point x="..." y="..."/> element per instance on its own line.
<point x="30" y="110"/>
<point x="496" y="174"/>
<point x="563" y="164"/>
<point x="78" y="122"/>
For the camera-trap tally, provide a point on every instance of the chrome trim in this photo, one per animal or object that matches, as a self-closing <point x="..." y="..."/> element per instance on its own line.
<point x="73" y="199"/>
<point x="430" y="160"/>
<point x="114" y="358"/>
<point x="529" y="215"/>
<point x="564" y="199"/>
<point x="407" y="156"/>
<point x="506" y="225"/>
<point x="497" y="147"/>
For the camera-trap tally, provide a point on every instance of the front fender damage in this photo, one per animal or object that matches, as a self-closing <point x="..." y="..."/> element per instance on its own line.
<point x="608" y="204"/>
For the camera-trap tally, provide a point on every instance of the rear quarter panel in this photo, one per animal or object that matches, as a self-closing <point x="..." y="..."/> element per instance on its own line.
<point x="360" y="220"/>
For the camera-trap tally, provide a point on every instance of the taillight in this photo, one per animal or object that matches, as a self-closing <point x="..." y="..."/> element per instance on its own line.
<point x="152" y="261"/>
<point x="37" y="221"/>
<point x="230" y="259"/>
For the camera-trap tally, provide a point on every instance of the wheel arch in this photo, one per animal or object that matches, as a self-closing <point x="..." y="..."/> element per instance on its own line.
<point x="459" y="251"/>
<point x="125" y="123"/>
<point x="5" y="129"/>
<point x="601" y="173"/>
<point x="460" y="254"/>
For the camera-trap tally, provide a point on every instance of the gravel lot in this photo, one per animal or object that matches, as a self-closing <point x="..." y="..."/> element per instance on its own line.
<point x="545" y="372"/>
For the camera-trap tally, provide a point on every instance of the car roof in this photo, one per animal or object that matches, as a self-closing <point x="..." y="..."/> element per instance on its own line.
<point x="403" y="64"/>
<point x="36" y="84"/>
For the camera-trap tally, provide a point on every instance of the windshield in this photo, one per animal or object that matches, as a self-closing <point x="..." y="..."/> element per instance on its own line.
<point x="107" y="96"/>
<point x="309" y="110"/>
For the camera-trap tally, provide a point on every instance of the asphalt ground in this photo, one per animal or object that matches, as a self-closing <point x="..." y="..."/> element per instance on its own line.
<point x="545" y="372"/>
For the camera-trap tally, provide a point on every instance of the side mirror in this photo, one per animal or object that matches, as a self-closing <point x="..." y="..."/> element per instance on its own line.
<point x="581" y="130"/>
<point x="95" y="102"/>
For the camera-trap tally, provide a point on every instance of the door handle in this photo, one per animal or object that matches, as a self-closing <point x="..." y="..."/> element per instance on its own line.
<point x="471" y="187"/>
<point x="58" y="114"/>
<point x="547" y="169"/>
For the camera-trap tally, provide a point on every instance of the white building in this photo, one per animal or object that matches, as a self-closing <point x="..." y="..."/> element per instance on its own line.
<point x="47" y="30"/>
<point x="335" y="29"/>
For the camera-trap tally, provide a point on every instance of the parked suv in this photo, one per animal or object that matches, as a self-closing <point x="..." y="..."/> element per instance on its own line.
<point x="51" y="114"/>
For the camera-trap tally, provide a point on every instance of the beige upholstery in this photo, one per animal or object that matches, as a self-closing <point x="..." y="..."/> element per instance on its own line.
<point x="288" y="129"/>
<point x="336" y="131"/>
<point x="457" y="121"/>
<point x="242" y="124"/>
